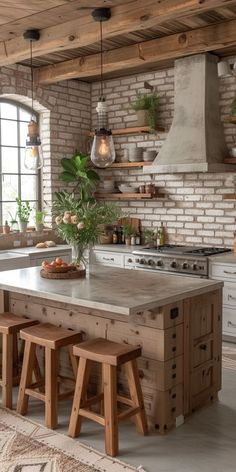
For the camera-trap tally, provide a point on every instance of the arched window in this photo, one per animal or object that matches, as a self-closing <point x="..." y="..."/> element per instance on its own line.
<point x="15" y="179"/>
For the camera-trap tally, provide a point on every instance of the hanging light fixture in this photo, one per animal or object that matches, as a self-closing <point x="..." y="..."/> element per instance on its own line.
<point x="103" y="150"/>
<point x="33" y="149"/>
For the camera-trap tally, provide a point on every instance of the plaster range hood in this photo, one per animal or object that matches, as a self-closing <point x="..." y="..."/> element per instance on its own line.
<point x="195" y="142"/>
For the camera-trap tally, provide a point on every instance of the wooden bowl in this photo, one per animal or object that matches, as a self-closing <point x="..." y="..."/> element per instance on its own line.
<point x="59" y="270"/>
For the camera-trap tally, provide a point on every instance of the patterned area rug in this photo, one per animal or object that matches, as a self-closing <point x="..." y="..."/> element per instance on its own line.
<point x="229" y="357"/>
<point x="28" y="447"/>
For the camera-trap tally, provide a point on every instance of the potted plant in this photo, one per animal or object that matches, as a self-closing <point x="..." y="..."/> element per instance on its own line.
<point x="151" y="236"/>
<point x="128" y="231"/>
<point x="23" y="213"/>
<point x="145" y="106"/>
<point x="39" y="220"/>
<point x="232" y="111"/>
<point x="14" y="223"/>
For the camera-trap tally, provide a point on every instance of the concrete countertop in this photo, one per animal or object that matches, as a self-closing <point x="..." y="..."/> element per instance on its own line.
<point x="108" y="288"/>
<point x="117" y="248"/>
<point x="34" y="251"/>
<point x="225" y="258"/>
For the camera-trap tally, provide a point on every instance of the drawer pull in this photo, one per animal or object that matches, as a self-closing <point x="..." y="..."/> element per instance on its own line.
<point x="108" y="259"/>
<point x="173" y="396"/>
<point x="174" y="366"/>
<point x="173" y="409"/>
<point x="233" y="325"/>
<point x="173" y="376"/>
<point x="174" y="313"/>
<point x="174" y="336"/>
<point x="174" y="349"/>
<point x="230" y="297"/>
<point x="203" y="347"/>
<point x="229" y="272"/>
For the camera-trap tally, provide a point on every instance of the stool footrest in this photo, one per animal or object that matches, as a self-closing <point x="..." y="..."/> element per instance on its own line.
<point x="93" y="400"/>
<point x="64" y="395"/>
<point x="92" y="416"/>
<point x="128" y="413"/>
<point x="125" y="400"/>
<point x="33" y="393"/>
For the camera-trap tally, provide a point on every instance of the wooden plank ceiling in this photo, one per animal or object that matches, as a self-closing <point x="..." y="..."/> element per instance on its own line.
<point x="139" y="35"/>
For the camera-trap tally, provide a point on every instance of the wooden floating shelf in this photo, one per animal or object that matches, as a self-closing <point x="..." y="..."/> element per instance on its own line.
<point x="128" y="196"/>
<point x="122" y="165"/>
<point x="133" y="130"/>
<point x="229" y="196"/>
<point x="230" y="119"/>
<point x="230" y="160"/>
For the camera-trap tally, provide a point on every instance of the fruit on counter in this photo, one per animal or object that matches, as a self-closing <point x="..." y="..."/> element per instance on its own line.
<point x="56" y="263"/>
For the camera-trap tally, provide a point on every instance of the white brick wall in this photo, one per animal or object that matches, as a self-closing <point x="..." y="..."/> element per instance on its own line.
<point x="194" y="210"/>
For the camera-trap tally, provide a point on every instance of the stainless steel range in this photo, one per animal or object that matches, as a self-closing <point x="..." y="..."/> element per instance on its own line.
<point x="187" y="260"/>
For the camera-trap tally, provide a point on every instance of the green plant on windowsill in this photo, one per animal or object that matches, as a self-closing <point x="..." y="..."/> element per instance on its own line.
<point x="233" y="107"/>
<point x="39" y="219"/>
<point x="23" y="213"/>
<point x="146" y="102"/>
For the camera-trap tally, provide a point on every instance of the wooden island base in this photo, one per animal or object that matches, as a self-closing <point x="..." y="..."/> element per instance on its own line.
<point x="180" y="368"/>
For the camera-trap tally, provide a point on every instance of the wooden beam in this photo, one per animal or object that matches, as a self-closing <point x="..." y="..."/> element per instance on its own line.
<point x="218" y="36"/>
<point x="129" y="16"/>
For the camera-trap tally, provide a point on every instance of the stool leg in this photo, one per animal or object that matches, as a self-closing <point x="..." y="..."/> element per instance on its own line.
<point x="73" y="360"/>
<point x="82" y="379"/>
<point x="51" y="394"/>
<point x="136" y="395"/>
<point x="110" y="409"/>
<point x="26" y="377"/>
<point x="7" y="369"/>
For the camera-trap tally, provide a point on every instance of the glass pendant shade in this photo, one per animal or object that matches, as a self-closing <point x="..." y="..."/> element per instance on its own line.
<point x="103" y="150"/>
<point x="33" y="148"/>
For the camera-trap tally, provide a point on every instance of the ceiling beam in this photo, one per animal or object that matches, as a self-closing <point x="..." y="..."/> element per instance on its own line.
<point x="129" y="16"/>
<point x="218" y="37"/>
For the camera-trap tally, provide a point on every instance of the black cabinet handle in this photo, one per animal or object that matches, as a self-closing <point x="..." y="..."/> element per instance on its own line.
<point x="203" y="347"/>
<point x="173" y="376"/>
<point x="174" y="336"/>
<point x="174" y="349"/>
<point x="174" y="366"/>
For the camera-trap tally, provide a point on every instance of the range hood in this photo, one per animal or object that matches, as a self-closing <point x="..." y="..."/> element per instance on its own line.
<point x="195" y="142"/>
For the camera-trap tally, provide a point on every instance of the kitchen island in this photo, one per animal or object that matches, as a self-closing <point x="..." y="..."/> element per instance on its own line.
<point x="176" y="320"/>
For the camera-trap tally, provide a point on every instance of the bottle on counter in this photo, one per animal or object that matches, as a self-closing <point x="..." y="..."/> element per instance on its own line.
<point x="115" y="235"/>
<point x="119" y="235"/>
<point x="6" y="228"/>
<point x="162" y="234"/>
<point x="138" y="239"/>
<point x="133" y="240"/>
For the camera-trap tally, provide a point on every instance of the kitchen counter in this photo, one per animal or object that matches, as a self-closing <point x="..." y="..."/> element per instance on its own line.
<point x="177" y="322"/>
<point x="226" y="258"/>
<point x="109" y="289"/>
<point x="32" y="250"/>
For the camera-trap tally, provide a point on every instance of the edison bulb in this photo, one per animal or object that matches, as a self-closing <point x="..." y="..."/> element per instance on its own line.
<point x="103" y="150"/>
<point x="33" y="157"/>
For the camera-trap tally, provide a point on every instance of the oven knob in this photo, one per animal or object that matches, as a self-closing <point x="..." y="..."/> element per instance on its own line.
<point x="173" y="264"/>
<point x="185" y="265"/>
<point x="151" y="262"/>
<point x="137" y="260"/>
<point x="160" y="263"/>
<point x="195" y="266"/>
<point x="142" y="261"/>
<point x="130" y="260"/>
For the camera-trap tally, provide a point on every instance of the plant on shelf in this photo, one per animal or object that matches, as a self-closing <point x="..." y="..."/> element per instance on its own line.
<point x="13" y="223"/>
<point x="233" y="107"/>
<point x="151" y="236"/>
<point x="128" y="231"/>
<point x="80" y="221"/>
<point x="39" y="219"/>
<point x="145" y="106"/>
<point x="23" y="213"/>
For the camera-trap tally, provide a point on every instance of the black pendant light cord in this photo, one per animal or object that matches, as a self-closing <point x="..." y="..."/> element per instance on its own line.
<point x="101" y="72"/>
<point x="32" y="79"/>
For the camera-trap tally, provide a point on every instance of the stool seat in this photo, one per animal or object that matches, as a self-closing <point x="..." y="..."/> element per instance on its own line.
<point x="107" y="352"/>
<point x="51" y="336"/>
<point x="10" y="323"/>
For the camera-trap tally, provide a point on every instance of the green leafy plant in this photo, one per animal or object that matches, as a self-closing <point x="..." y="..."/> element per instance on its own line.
<point x="151" y="235"/>
<point x="149" y="102"/>
<point x="233" y="107"/>
<point x="23" y="210"/>
<point x="39" y="217"/>
<point x="127" y="230"/>
<point x="76" y="169"/>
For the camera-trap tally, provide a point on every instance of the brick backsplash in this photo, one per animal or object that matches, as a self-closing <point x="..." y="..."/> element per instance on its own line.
<point x="193" y="211"/>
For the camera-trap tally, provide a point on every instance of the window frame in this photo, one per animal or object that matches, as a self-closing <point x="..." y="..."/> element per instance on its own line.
<point x="38" y="199"/>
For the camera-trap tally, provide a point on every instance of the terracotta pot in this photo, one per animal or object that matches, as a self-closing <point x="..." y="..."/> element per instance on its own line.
<point x="128" y="240"/>
<point x="142" y="117"/>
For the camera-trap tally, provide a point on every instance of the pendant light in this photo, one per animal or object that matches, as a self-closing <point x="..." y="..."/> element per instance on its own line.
<point x="103" y="150"/>
<point x="33" y="149"/>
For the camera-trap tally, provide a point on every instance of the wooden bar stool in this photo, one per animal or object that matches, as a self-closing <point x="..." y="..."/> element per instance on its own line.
<point x="110" y="355"/>
<point x="10" y="325"/>
<point x="52" y="339"/>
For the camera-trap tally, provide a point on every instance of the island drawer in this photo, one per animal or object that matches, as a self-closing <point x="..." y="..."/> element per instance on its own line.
<point x="164" y="375"/>
<point x="202" y="351"/>
<point x="157" y="344"/>
<point x="161" y="317"/>
<point x="108" y="258"/>
<point x="229" y="321"/>
<point x="221" y="271"/>
<point x="229" y="294"/>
